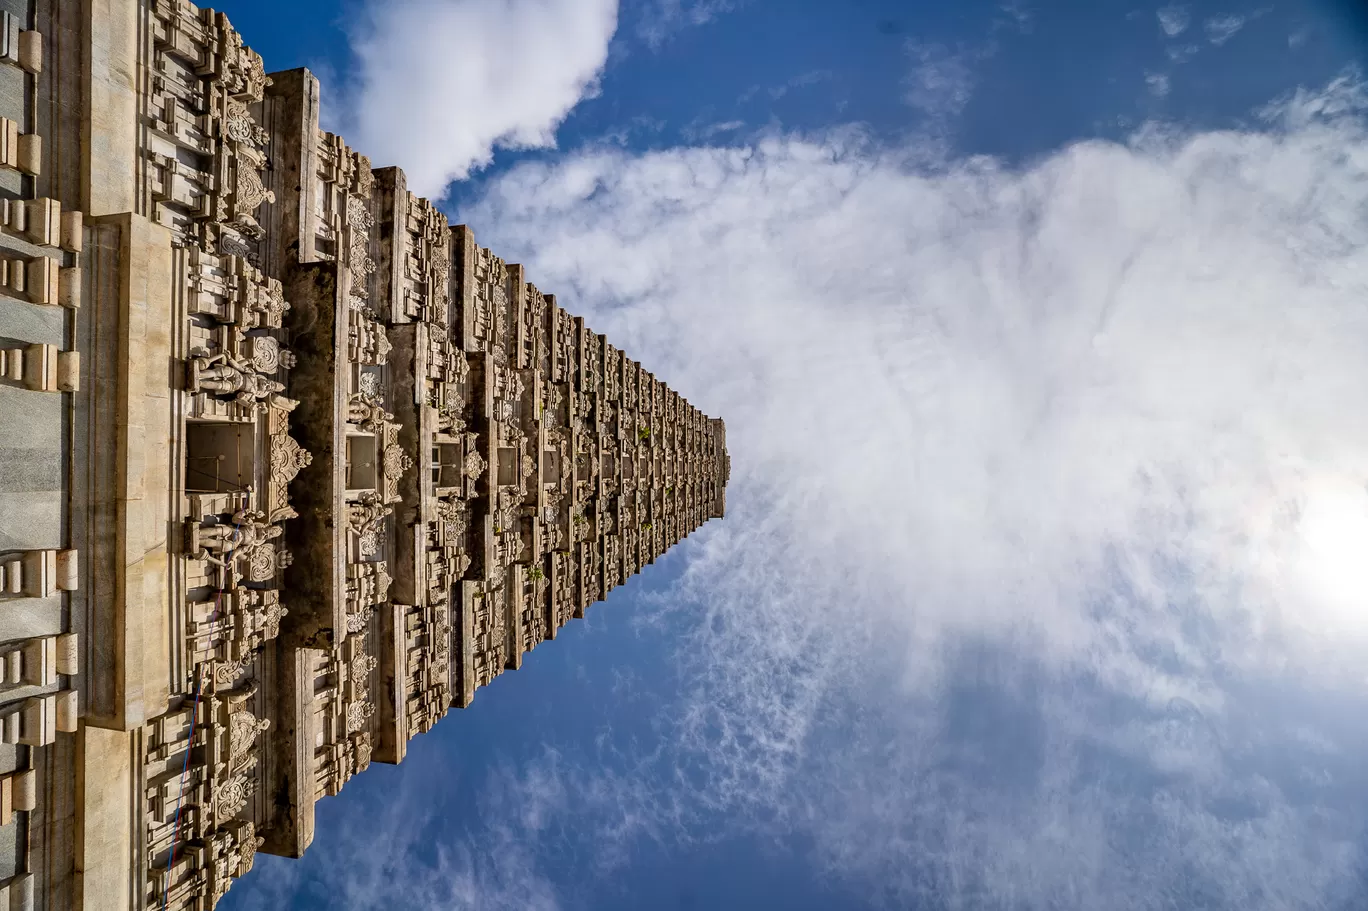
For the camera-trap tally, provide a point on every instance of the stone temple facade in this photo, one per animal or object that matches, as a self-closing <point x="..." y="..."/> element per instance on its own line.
<point x="291" y="467"/>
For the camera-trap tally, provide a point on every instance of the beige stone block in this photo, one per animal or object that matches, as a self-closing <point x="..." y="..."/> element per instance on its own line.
<point x="6" y="800"/>
<point x="69" y="287"/>
<point x="14" y="577"/>
<point x="40" y="367"/>
<point x="40" y="661"/>
<point x="68" y="654"/>
<point x="38" y="721"/>
<point x="110" y="123"/>
<point x="10" y="731"/>
<point x="12" y="364"/>
<point x="73" y="231"/>
<point x="9" y="143"/>
<point x="41" y="281"/>
<point x="42" y="218"/>
<point x="104" y="835"/>
<point x="26" y="790"/>
<point x="31" y="51"/>
<point x="40" y="572"/>
<point x="14" y="667"/>
<point x="31" y="153"/>
<point x="68" y="711"/>
<point x="67" y="568"/>
<point x="69" y="371"/>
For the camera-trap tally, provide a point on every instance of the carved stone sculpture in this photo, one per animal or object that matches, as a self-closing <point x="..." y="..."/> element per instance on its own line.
<point x="221" y="374"/>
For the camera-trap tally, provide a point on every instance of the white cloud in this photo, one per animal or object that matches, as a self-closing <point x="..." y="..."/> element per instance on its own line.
<point x="1010" y="608"/>
<point x="1158" y="84"/>
<point x="1221" y="29"/>
<point x="1028" y="445"/>
<point x="441" y="84"/>
<point x="1174" y="19"/>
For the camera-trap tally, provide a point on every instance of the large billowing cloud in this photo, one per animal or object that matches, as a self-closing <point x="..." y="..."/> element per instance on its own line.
<point x="1041" y="582"/>
<point x="440" y="84"/>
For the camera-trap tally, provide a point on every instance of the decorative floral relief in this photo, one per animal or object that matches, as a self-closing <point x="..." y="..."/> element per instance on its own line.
<point x="357" y="714"/>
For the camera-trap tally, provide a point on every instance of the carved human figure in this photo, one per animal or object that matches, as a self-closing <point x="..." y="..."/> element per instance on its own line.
<point x="367" y="412"/>
<point x="219" y="543"/>
<point x="367" y="512"/>
<point x="222" y="374"/>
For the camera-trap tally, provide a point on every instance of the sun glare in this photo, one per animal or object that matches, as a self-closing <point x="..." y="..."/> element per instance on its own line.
<point x="1334" y="549"/>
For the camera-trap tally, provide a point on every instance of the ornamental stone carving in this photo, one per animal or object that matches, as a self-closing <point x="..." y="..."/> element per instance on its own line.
<point x="397" y="461"/>
<point x="250" y="193"/>
<point x="266" y="354"/>
<point x="361" y="619"/>
<point x="363" y="751"/>
<point x="361" y="667"/>
<point x="474" y="465"/>
<point x="247" y="845"/>
<point x="369" y="385"/>
<point x="231" y="244"/>
<point x="288" y="458"/>
<point x="226" y="673"/>
<point x="239" y="126"/>
<point x="262" y="565"/>
<point x="233" y="794"/>
<point x="357" y="715"/>
<point x="359" y="215"/>
<point x="243" y="728"/>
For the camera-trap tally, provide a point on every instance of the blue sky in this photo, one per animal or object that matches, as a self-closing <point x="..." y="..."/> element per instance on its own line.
<point x="1039" y="331"/>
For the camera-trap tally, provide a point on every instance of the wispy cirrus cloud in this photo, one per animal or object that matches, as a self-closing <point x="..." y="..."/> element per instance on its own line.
<point x="659" y="19"/>
<point x="941" y="81"/>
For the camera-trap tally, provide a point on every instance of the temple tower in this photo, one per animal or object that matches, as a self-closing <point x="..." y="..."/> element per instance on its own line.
<point x="294" y="467"/>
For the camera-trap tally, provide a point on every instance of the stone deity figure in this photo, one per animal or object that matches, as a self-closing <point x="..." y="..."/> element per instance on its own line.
<point x="368" y="413"/>
<point x="218" y="543"/>
<point x="367" y="512"/>
<point x="222" y="374"/>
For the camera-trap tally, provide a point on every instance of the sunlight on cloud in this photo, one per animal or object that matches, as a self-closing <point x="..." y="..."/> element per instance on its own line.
<point x="1040" y="585"/>
<point x="1333" y="531"/>
<point x="1041" y="480"/>
<point x="440" y="85"/>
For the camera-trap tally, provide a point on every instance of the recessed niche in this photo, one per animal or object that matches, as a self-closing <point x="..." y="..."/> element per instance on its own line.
<point x="220" y="456"/>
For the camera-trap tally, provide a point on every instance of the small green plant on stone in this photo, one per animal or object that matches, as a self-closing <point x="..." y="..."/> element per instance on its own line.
<point x="535" y="573"/>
